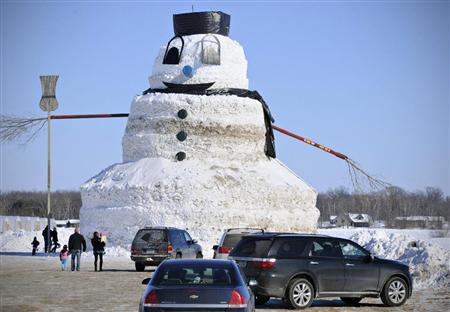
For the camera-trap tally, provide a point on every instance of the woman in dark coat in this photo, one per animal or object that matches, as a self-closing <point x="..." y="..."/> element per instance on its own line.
<point x="99" y="249"/>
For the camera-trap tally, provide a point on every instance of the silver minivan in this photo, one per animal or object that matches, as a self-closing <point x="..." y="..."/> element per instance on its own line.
<point x="229" y="239"/>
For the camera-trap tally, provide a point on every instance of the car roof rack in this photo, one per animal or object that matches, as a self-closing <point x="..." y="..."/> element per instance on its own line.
<point x="245" y="228"/>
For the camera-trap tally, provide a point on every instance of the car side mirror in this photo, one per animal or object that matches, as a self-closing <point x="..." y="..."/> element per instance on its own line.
<point x="370" y="258"/>
<point x="145" y="281"/>
<point x="215" y="247"/>
<point x="194" y="241"/>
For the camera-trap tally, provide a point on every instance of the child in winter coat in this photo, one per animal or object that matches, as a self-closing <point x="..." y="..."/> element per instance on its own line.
<point x="63" y="255"/>
<point x="35" y="245"/>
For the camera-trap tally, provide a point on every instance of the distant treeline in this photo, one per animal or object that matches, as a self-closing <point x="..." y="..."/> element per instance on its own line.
<point x="64" y="204"/>
<point x="384" y="205"/>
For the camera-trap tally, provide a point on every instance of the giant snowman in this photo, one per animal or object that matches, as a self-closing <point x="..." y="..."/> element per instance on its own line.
<point x="198" y="150"/>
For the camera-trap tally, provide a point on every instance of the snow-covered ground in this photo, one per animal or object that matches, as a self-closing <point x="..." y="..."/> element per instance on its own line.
<point x="427" y="252"/>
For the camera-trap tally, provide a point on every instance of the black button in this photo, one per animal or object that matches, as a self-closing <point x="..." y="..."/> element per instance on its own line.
<point x="181" y="136"/>
<point x="180" y="156"/>
<point x="182" y="113"/>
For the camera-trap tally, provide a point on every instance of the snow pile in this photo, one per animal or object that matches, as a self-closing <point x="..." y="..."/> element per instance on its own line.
<point x="429" y="264"/>
<point x="20" y="241"/>
<point x="204" y="197"/>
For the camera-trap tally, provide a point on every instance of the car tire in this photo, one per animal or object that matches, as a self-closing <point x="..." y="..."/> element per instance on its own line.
<point x="260" y="300"/>
<point x="395" y="292"/>
<point x="351" y="301"/>
<point x="199" y="255"/>
<point x="178" y="256"/>
<point x="140" y="267"/>
<point x="300" y="293"/>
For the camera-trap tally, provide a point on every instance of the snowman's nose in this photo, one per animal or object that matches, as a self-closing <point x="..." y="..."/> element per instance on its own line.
<point x="188" y="71"/>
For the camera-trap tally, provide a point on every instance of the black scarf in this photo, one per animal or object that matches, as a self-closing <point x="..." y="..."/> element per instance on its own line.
<point x="269" y="148"/>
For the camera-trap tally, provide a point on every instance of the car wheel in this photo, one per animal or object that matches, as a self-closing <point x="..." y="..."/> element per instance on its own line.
<point x="351" y="301"/>
<point x="260" y="300"/>
<point x="178" y="256"/>
<point x="199" y="255"/>
<point x="395" y="292"/>
<point x="139" y="266"/>
<point x="300" y="293"/>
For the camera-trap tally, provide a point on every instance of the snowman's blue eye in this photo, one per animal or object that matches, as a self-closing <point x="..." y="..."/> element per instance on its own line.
<point x="188" y="71"/>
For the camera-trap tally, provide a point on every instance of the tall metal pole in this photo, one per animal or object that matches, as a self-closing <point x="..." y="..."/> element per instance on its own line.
<point x="48" y="103"/>
<point x="49" y="172"/>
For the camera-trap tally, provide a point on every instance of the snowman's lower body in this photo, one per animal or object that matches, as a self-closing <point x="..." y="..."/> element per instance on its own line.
<point x="203" y="196"/>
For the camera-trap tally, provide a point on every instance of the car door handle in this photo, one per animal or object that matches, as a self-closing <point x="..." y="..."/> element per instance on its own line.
<point x="314" y="263"/>
<point x="349" y="264"/>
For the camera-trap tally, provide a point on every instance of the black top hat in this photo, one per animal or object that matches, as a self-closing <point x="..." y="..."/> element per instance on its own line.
<point x="201" y="23"/>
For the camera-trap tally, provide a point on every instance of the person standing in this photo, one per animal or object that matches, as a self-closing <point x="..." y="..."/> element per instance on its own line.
<point x="63" y="255"/>
<point x="54" y="236"/>
<point x="77" y="245"/>
<point x="98" y="245"/>
<point x="46" y="242"/>
<point x="35" y="244"/>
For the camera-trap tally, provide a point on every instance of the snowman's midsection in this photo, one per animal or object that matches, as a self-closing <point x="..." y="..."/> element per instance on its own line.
<point x="227" y="127"/>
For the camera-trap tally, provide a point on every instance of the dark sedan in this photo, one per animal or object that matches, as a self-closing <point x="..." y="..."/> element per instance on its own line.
<point x="197" y="285"/>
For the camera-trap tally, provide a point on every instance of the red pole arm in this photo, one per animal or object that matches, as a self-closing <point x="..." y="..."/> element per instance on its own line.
<point x="310" y="142"/>
<point x="284" y="131"/>
<point x="89" y="116"/>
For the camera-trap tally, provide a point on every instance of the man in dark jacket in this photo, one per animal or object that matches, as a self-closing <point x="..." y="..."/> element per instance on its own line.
<point x="77" y="244"/>
<point x="46" y="242"/>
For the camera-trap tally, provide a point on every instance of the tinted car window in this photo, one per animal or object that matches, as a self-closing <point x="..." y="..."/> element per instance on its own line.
<point x="325" y="248"/>
<point x="231" y="240"/>
<point x="251" y="247"/>
<point x="187" y="236"/>
<point x="179" y="236"/>
<point x="351" y="250"/>
<point x="198" y="274"/>
<point x="288" y="248"/>
<point x="150" y="236"/>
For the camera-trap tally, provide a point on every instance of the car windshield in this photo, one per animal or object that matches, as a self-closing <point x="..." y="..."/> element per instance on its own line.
<point x="195" y="274"/>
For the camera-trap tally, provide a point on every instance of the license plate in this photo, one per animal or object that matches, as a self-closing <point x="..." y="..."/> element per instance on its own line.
<point x="242" y="264"/>
<point x="149" y="259"/>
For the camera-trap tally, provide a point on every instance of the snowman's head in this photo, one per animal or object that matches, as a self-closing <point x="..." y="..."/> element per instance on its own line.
<point x="200" y="56"/>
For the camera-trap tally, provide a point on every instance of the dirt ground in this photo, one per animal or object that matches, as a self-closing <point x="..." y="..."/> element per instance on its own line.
<point x="37" y="284"/>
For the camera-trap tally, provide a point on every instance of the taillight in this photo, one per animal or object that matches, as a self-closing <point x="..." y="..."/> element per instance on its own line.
<point x="169" y="248"/>
<point x="151" y="298"/>
<point x="225" y="250"/>
<point x="265" y="264"/>
<point x="237" y="300"/>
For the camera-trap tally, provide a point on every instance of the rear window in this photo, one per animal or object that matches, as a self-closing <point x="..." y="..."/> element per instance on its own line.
<point x="195" y="274"/>
<point x="232" y="239"/>
<point x="150" y="236"/>
<point x="288" y="248"/>
<point x="252" y="247"/>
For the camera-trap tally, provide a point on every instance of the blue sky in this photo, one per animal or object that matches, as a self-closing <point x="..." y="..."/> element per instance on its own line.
<point x="367" y="78"/>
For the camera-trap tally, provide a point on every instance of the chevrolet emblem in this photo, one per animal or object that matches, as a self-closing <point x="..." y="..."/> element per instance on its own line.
<point x="193" y="296"/>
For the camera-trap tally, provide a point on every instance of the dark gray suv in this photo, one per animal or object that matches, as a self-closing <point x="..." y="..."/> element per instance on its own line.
<point x="300" y="267"/>
<point x="152" y="245"/>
